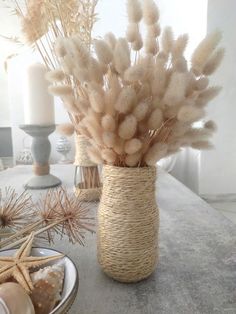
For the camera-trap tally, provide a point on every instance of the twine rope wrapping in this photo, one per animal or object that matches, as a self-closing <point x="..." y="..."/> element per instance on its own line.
<point x="81" y="156"/>
<point x="128" y="223"/>
<point x="41" y="170"/>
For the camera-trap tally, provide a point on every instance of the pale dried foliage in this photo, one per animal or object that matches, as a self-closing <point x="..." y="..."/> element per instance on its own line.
<point x="142" y="99"/>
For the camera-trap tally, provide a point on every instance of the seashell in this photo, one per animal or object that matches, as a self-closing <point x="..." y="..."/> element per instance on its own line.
<point x="14" y="299"/>
<point x="48" y="283"/>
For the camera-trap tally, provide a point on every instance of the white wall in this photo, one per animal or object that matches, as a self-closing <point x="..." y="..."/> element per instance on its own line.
<point x="218" y="168"/>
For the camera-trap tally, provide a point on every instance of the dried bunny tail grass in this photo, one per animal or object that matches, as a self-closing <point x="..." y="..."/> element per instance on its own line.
<point x="155" y="153"/>
<point x="69" y="103"/>
<point x="111" y="40"/>
<point x="59" y="47"/>
<point x="140" y="111"/>
<point x="67" y="65"/>
<point x="214" y="61"/>
<point x="82" y="51"/>
<point x="132" y="146"/>
<point x="179" y="46"/>
<point x="180" y="65"/>
<point x="55" y="76"/>
<point x="127" y="128"/>
<point x="94" y="129"/>
<point x="94" y="155"/>
<point x="97" y="101"/>
<point x="109" y="155"/>
<point x="203" y="52"/>
<point x="210" y="125"/>
<point x="133" y="160"/>
<point x="134" y="11"/>
<point x="103" y="51"/>
<point x="60" y="90"/>
<point x="155" y="120"/>
<point x="176" y="89"/>
<point x="134" y="73"/>
<point x="151" y="45"/>
<point x="126" y="100"/>
<point x="150" y="12"/>
<point x="154" y="30"/>
<point x="121" y="56"/>
<point x="119" y="147"/>
<point x="108" y="123"/>
<point x="201" y="83"/>
<point x="159" y="81"/>
<point x="95" y="71"/>
<point x="132" y="32"/>
<point x="138" y="43"/>
<point x="144" y="92"/>
<point x="66" y="129"/>
<point x="83" y="105"/>
<point x="190" y="114"/>
<point x="109" y="139"/>
<point x="202" y="145"/>
<point x="81" y="74"/>
<point x="207" y="95"/>
<point x="167" y="40"/>
<point x="196" y="134"/>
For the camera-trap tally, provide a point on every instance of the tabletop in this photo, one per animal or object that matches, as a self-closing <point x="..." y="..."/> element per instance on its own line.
<point x="196" y="273"/>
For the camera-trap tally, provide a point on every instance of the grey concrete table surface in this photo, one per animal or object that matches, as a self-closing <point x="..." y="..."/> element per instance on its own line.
<point x="196" y="273"/>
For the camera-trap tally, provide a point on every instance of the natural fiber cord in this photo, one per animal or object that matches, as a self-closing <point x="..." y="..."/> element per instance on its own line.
<point x="128" y="223"/>
<point x="81" y="157"/>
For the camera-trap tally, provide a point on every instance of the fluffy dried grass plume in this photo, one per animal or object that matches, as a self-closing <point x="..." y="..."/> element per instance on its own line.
<point x="134" y="11"/>
<point x="204" y="51"/>
<point x="137" y="104"/>
<point x="150" y="12"/>
<point x="66" y="129"/>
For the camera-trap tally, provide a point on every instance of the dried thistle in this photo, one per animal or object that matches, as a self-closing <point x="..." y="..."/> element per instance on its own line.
<point x="16" y="211"/>
<point x="58" y="212"/>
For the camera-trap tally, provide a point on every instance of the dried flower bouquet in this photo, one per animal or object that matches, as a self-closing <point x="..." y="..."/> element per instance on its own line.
<point x="138" y="96"/>
<point x="42" y="23"/>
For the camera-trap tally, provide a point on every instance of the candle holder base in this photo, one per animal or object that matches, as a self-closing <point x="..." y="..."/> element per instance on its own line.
<point x="42" y="182"/>
<point x="40" y="149"/>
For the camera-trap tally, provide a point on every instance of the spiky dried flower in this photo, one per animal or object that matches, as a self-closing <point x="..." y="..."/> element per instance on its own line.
<point x="16" y="210"/>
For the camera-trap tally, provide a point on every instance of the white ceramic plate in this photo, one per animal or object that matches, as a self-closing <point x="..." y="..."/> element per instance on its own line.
<point x="71" y="280"/>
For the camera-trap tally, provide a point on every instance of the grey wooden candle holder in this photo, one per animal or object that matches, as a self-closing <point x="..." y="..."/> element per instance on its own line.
<point x="40" y="149"/>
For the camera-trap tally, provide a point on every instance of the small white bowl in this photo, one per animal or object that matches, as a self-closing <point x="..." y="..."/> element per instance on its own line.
<point x="71" y="279"/>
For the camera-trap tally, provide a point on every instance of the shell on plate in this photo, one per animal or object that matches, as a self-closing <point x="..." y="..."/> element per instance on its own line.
<point x="14" y="299"/>
<point x="48" y="284"/>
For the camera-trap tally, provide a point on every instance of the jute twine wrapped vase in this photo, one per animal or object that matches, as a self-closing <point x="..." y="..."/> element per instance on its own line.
<point x="87" y="182"/>
<point x="128" y="223"/>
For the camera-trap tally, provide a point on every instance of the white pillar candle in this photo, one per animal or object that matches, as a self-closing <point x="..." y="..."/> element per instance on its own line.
<point x="38" y="103"/>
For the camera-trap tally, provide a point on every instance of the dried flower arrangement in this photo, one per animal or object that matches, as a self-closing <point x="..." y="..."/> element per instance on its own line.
<point x="58" y="212"/>
<point x="138" y="97"/>
<point x="45" y="21"/>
